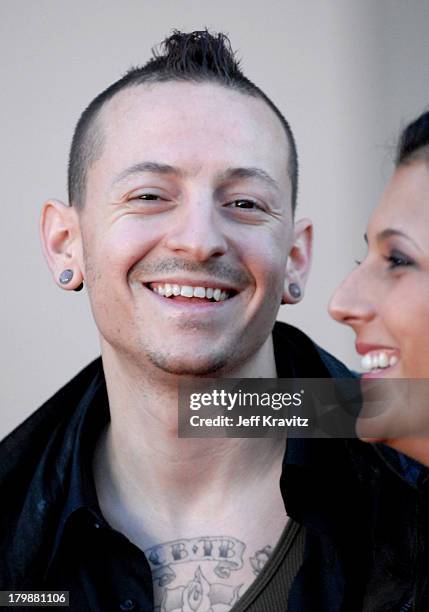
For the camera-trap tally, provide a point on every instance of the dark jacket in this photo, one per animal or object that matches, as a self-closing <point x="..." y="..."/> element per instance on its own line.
<point x="365" y="507"/>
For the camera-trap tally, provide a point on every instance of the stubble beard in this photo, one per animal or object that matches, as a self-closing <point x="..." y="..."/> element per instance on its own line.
<point x="223" y="359"/>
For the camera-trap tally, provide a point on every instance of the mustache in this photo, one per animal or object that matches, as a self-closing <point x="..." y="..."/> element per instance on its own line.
<point x="220" y="270"/>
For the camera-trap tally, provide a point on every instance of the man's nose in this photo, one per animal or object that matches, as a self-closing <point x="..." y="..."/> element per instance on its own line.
<point x="198" y="232"/>
<point x="353" y="302"/>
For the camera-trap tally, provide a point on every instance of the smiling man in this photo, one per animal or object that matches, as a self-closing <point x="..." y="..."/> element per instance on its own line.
<point x="190" y="198"/>
<point x="182" y="186"/>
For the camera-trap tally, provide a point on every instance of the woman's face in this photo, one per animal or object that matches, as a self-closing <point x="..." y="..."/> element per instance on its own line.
<point x="386" y="298"/>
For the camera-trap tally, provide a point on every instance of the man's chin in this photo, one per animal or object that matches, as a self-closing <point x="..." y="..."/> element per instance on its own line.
<point x="190" y="366"/>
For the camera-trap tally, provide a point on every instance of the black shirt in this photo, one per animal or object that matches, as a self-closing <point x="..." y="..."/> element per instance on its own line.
<point x="361" y="518"/>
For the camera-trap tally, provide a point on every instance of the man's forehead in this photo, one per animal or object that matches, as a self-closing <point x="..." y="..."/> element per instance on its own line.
<point x="187" y="125"/>
<point x="151" y="105"/>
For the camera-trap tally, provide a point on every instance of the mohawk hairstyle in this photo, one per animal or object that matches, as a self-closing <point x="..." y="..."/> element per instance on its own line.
<point x="414" y="141"/>
<point x="198" y="56"/>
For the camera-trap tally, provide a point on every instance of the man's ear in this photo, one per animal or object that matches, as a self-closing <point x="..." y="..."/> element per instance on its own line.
<point x="61" y="243"/>
<point x="298" y="262"/>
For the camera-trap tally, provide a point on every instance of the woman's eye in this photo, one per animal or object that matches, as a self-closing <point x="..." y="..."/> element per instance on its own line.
<point x="397" y="260"/>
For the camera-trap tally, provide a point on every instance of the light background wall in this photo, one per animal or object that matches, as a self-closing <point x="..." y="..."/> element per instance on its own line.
<point x="348" y="75"/>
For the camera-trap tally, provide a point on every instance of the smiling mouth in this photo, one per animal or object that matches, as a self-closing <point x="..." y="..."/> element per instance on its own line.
<point x="378" y="360"/>
<point x="200" y="293"/>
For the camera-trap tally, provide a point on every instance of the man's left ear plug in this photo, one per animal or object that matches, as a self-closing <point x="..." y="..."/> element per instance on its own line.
<point x="66" y="276"/>
<point x="294" y="291"/>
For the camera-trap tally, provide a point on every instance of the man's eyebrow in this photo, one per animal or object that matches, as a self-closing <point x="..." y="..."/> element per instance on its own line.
<point x="148" y="166"/>
<point x="248" y="173"/>
<point x="228" y="175"/>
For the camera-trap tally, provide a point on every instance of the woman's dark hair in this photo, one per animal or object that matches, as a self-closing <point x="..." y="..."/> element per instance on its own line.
<point x="414" y="141"/>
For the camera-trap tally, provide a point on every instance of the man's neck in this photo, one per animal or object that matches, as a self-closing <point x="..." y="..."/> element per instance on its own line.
<point x="140" y="457"/>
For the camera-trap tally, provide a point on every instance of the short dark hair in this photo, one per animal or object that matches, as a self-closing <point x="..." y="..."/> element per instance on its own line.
<point x="197" y="57"/>
<point x="414" y="141"/>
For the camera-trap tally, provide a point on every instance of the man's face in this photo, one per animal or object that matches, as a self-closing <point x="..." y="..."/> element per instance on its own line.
<point x="191" y="191"/>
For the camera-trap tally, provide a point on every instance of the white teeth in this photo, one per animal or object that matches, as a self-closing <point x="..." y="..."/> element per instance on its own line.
<point x="187" y="291"/>
<point x="393" y="360"/>
<point x="199" y="292"/>
<point x="378" y="360"/>
<point x="366" y="362"/>
<point x="383" y="360"/>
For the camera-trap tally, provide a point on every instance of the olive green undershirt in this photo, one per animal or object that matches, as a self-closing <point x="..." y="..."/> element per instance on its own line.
<point x="270" y="590"/>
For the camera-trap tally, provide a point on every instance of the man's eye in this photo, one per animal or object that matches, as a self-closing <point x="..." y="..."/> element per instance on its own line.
<point x="148" y="197"/>
<point x="245" y="204"/>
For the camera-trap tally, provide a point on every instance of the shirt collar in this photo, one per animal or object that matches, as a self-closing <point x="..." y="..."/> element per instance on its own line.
<point x="91" y="416"/>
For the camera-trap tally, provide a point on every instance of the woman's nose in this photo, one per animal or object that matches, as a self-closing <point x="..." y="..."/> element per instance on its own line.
<point x="353" y="301"/>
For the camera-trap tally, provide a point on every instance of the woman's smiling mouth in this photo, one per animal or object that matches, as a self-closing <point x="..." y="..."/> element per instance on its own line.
<point x="378" y="360"/>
